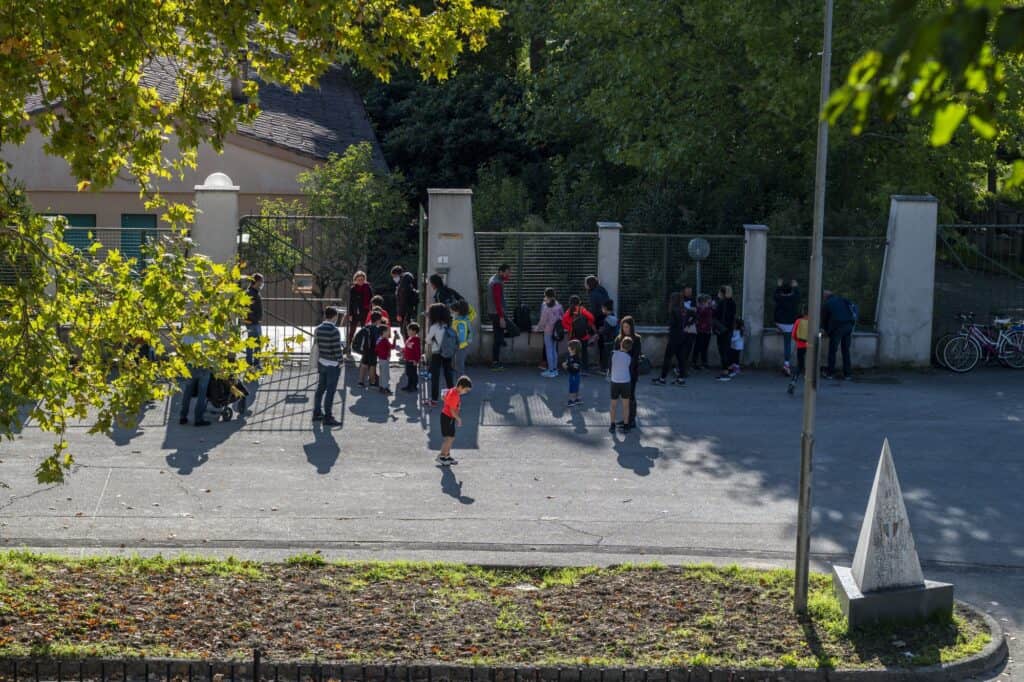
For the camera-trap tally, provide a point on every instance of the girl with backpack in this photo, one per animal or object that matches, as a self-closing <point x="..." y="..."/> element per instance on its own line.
<point x="443" y="343"/>
<point x="550" y="323"/>
<point x="579" y="324"/>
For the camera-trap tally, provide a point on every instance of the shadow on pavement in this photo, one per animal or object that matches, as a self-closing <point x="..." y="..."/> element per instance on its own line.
<point x="452" y="487"/>
<point x="323" y="452"/>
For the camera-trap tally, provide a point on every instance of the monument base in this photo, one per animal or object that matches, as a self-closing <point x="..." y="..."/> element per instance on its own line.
<point x="905" y="603"/>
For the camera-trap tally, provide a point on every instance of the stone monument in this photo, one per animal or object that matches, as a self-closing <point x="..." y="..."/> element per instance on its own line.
<point x="885" y="582"/>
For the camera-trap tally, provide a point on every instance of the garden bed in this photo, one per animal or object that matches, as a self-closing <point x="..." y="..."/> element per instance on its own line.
<point x="305" y="609"/>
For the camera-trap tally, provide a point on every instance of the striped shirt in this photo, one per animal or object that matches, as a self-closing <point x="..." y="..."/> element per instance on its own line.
<point x="328" y="341"/>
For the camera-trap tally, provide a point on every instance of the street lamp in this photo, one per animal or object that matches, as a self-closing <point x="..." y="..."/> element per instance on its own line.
<point x="699" y="249"/>
<point x="803" y="525"/>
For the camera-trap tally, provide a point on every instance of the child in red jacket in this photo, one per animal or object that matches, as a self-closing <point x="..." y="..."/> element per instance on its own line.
<point x="411" y="354"/>
<point x="383" y="349"/>
<point x="799" y="335"/>
<point x="579" y="326"/>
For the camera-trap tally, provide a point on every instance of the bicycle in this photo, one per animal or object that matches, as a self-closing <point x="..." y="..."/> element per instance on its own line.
<point x="992" y="342"/>
<point x="940" y="344"/>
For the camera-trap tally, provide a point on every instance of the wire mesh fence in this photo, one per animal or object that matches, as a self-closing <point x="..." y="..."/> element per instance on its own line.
<point x="652" y="266"/>
<point x="978" y="269"/>
<point x="561" y="260"/>
<point x="851" y="267"/>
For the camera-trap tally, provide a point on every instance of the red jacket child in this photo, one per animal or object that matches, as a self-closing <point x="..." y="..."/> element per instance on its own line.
<point x="567" y="322"/>
<point x="383" y="316"/>
<point x="384" y="347"/>
<point x="412" y="351"/>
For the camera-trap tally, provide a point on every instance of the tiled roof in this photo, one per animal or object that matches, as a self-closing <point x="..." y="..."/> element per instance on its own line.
<point x="315" y="122"/>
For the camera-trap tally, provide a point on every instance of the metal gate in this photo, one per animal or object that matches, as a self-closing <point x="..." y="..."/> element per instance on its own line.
<point x="978" y="269"/>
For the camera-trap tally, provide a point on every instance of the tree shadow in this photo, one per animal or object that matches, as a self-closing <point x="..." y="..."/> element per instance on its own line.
<point x="452" y="487"/>
<point x="323" y="452"/>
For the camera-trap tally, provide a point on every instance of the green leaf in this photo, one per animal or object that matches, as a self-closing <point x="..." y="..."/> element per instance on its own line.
<point x="947" y="120"/>
<point x="1016" y="178"/>
<point x="984" y="127"/>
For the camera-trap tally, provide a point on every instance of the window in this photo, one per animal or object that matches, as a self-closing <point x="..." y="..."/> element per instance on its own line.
<point x="80" y="225"/>
<point x="136" y="230"/>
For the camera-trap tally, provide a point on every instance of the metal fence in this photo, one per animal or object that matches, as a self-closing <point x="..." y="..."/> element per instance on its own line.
<point x="651" y="266"/>
<point x="978" y="269"/>
<point x="539" y="260"/>
<point x="852" y="267"/>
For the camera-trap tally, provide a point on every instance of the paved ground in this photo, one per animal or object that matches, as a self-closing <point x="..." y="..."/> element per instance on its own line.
<point x="710" y="476"/>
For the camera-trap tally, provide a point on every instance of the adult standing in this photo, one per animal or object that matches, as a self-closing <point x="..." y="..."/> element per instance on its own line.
<point x="627" y="329"/>
<point x="787" y="310"/>
<point x="723" y="321"/>
<point x="360" y="295"/>
<point x="439" y="319"/>
<point x="674" y="348"/>
<point x="596" y="297"/>
<point x="689" y="303"/>
<point x="406" y="294"/>
<point x="254" y="319"/>
<point x="837" y="319"/>
<point x="327" y="337"/>
<point x="442" y="292"/>
<point x="550" y="319"/>
<point x="579" y="325"/>
<point x="197" y="383"/>
<point x="499" y="311"/>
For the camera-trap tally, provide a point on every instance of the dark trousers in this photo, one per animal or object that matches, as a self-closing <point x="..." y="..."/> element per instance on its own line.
<point x="412" y="376"/>
<point x="437" y="363"/>
<point x="700" y="349"/>
<point x="801" y="363"/>
<point x="675" y="348"/>
<point x="603" y="353"/>
<point x="499" y="339"/>
<point x="632" y="401"/>
<point x="841" y="336"/>
<point x="723" y="347"/>
<point x="326" y="387"/>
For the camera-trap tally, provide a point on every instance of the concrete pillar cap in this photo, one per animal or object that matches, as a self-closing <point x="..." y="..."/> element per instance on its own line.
<point x="218" y="181"/>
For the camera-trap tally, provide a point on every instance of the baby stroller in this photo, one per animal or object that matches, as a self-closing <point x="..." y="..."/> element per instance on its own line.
<point x="222" y="394"/>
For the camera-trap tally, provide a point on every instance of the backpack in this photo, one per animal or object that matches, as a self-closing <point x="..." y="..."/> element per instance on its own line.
<point x="801" y="329"/>
<point x="449" y="343"/>
<point x="522" y="318"/>
<point x="580" y="326"/>
<point x="558" y="332"/>
<point x="361" y="342"/>
<point x="463" y="330"/>
<point x="608" y="332"/>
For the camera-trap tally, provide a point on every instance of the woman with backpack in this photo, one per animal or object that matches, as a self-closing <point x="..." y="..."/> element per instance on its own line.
<point x="723" y="322"/>
<point x="442" y="342"/>
<point x="579" y="324"/>
<point x="627" y="330"/>
<point x="550" y="323"/>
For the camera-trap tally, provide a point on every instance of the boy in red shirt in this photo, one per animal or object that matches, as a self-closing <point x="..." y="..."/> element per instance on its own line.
<point x="383" y="349"/>
<point x="451" y="415"/>
<point x="411" y="354"/>
<point x="799" y="334"/>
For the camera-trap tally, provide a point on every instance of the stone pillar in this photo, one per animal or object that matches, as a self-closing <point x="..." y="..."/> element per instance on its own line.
<point x="608" y="251"/>
<point x="907" y="289"/>
<point x="451" y="248"/>
<point x="755" y="272"/>
<point x="215" y="231"/>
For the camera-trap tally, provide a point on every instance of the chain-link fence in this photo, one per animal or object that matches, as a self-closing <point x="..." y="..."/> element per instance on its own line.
<point x="539" y="260"/>
<point x="978" y="269"/>
<point x="851" y="267"/>
<point x="652" y="266"/>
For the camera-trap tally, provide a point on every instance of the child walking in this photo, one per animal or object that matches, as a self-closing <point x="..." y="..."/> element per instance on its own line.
<point x="735" y="349"/>
<point x="367" y="347"/>
<point x="799" y="334"/>
<point x="411" y="354"/>
<point x="383" y="350"/>
<point x="451" y="416"/>
<point x="574" y="367"/>
<point x="620" y="386"/>
<point x="463" y="332"/>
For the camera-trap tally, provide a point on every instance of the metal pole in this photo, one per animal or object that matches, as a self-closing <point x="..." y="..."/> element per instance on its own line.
<point x="698" y="279"/>
<point x="803" y="532"/>
<point x="422" y="267"/>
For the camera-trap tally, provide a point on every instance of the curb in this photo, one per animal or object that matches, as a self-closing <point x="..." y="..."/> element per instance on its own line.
<point x="994" y="654"/>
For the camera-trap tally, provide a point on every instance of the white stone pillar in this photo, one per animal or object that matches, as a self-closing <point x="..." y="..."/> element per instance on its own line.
<point x="608" y="251"/>
<point x="215" y="231"/>
<point x="451" y="248"/>
<point x="755" y="272"/>
<point x="907" y="290"/>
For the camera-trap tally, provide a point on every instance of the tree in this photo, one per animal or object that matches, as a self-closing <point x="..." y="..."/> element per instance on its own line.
<point x="948" y="61"/>
<point x="72" y="322"/>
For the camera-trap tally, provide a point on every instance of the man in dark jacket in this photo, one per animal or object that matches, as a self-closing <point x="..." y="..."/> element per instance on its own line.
<point x="596" y="296"/>
<point x="787" y="310"/>
<point x="406" y="294"/>
<point x="442" y="292"/>
<point x="837" y="321"/>
<point x="254" y="318"/>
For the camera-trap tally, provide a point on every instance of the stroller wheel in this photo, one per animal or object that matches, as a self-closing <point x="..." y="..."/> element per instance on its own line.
<point x="226" y="414"/>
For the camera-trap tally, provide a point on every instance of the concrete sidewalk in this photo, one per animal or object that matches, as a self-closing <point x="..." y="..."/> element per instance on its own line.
<point x="711" y="474"/>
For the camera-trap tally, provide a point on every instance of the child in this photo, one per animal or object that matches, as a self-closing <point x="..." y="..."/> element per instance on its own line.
<point x="368" y="362"/>
<point x="383" y="351"/>
<point x="451" y="415"/>
<point x="735" y="348"/>
<point x="705" y="313"/>
<point x="411" y="354"/>
<point x="608" y="331"/>
<point x="799" y="334"/>
<point x="574" y="366"/>
<point x="620" y="377"/>
<point x="463" y="331"/>
<point x="377" y="305"/>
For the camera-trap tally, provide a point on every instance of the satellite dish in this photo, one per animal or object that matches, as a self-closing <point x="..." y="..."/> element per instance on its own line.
<point x="699" y="249"/>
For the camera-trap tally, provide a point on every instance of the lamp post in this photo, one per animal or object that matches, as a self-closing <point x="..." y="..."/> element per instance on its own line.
<point x="803" y="526"/>
<point x="699" y="249"/>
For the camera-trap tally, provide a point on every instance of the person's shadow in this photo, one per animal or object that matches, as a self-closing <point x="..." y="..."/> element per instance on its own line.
<point x="192" y="445"/>
<point x="452" y="487"/>
<point x="126" y="429"/>
<point x="323" y="452"/>
<point x="632" y="455"/>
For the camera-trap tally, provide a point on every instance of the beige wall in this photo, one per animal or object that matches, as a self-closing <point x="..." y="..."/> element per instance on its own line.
<point x="259" y="169"/>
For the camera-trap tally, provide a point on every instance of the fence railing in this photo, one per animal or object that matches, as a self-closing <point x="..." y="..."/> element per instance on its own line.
<point x="561" y="260"/>
<point x="651" y="266"/>
<point x="851" y="267"/>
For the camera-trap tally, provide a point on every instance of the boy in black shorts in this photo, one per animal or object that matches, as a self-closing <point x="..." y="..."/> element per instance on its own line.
<point x="451" y="415"/>
<point x="620" y="377"/>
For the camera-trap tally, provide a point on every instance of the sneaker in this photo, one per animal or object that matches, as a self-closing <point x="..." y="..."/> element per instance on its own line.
<point x="446" y="461"/>
<point x="361" y="384"/>
<point x="826" y="375"/>
<point x="787" y="371"/>
<point x="680" y="381"/>
<point x="183" y="420"/>
<point x="622" y="427"/>
<point x="611" y="429"/>
<point x="791" y="388"/>
<point x="733" y="373"/>
<point x="331" y="421"/>
<point x="318" y="417"/>
<point x="658" y="380"/>
<point x="724" y="377"/>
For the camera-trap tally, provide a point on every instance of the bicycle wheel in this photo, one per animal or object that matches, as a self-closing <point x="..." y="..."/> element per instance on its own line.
<point x="940" y="347"/>
<point x="1011" y="350"/>
<point x="962" y="354"/>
